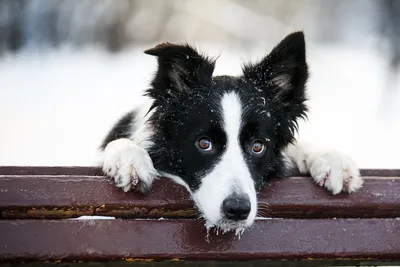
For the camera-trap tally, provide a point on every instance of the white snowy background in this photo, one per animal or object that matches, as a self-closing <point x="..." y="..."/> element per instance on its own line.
<point x="57" y="104"/>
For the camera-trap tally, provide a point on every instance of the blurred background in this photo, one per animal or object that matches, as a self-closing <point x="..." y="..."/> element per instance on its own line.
<point x="70" y="68"/>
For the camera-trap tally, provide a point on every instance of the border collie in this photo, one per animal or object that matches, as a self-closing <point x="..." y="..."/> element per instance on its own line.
<point x="222" y="137"/>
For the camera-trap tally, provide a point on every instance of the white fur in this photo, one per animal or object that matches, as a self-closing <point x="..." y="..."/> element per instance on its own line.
<point x="141" y="130"/>
<point x="126" y="159"/>
<point x="230" y="175"/>
<point x="329" y="168"/>
<point x="125" y="162"/>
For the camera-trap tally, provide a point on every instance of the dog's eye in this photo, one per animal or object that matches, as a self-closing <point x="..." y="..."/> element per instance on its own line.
<point x="205" y="144"/>
<point x="257" y="147"/>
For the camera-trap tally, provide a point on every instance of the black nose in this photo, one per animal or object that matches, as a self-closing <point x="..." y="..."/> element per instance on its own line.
<point x="236" y="208"/>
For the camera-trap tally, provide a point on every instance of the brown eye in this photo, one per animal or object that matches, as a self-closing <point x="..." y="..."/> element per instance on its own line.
<point x="257" y="147"/>
<point x="205" y="144"/>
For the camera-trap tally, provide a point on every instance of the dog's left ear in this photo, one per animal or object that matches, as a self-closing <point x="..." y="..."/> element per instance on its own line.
<point x="284" y="72"/>
<point x="180" y="68"/>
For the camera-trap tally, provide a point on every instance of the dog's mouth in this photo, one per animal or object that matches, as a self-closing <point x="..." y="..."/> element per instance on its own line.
<point x="224" y="226"/>
<point x="228" y="218"/>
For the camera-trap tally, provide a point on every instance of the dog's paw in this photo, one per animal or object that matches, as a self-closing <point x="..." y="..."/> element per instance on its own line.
<point x="334" y="171"/>
<point x="129" y="166"/>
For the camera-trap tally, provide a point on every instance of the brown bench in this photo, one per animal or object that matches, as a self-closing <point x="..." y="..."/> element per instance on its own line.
<point x="306" y="224"/>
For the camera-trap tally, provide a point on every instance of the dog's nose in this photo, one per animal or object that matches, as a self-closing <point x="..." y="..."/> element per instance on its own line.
<point x="236" y="208"/>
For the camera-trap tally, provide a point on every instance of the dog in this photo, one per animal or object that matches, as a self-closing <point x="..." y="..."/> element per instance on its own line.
<point x="222" y="137"/>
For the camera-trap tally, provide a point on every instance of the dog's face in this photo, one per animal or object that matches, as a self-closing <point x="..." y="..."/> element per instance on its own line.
<point x="223" y="136"/>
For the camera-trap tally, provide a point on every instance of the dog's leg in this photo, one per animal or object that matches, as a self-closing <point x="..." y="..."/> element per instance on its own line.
<point x="129" y="165"/>
<point x="328" y="168"/>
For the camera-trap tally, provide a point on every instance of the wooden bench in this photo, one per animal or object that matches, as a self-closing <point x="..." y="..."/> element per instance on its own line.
<point x="306" y="225"/>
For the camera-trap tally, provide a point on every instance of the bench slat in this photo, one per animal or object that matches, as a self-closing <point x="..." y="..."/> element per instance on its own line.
<point x="96" y="171"/>
<point x="80" y="191"/>
<point x="371" y="239"/>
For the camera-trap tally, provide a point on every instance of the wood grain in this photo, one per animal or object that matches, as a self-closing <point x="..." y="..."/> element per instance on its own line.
<point x="96" y="240"/>
<point x="70" y="192"/>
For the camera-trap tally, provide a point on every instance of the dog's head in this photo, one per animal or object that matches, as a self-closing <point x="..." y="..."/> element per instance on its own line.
<point x="223" y="136"/>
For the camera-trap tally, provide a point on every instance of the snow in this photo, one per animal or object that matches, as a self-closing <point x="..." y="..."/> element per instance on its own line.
<point x="56" y="106"/>
<point x="85" y="218"/>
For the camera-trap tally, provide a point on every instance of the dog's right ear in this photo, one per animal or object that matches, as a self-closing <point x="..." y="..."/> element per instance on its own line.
<point x="180" y="68"/>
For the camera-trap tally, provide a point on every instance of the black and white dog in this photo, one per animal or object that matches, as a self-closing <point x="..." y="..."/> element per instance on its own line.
<point x="222" y="137"/>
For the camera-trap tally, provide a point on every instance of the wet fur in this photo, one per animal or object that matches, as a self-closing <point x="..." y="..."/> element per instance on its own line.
<point x="185" y="102"/>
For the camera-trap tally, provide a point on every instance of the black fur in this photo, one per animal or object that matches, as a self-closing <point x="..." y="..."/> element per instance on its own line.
<point x="187" y="101"/>
<point x="122" y="129"/>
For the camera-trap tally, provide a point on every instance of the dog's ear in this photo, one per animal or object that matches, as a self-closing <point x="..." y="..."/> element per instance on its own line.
<point x="180" y="68"/>
<point x="284" y="72"/>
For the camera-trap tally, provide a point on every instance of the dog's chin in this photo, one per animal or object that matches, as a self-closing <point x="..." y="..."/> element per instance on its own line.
<point x="225" y="226"/>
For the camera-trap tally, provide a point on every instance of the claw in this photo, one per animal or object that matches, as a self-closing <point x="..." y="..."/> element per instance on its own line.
<point x="322" y="182"/>
<point x="327" y="173"/>
<point x="134" y="177"/>
<point x="346" y="180"/>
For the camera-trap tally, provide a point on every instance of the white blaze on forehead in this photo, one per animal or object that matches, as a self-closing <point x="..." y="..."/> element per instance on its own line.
<point x="233" y="157"/>
<point x="231" y="174"/>
<point x="232" y="117"/>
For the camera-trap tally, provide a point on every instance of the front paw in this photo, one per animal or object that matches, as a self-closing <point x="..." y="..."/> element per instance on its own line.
<point x="129" y="166"/>
<point x="334" y="171"/>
